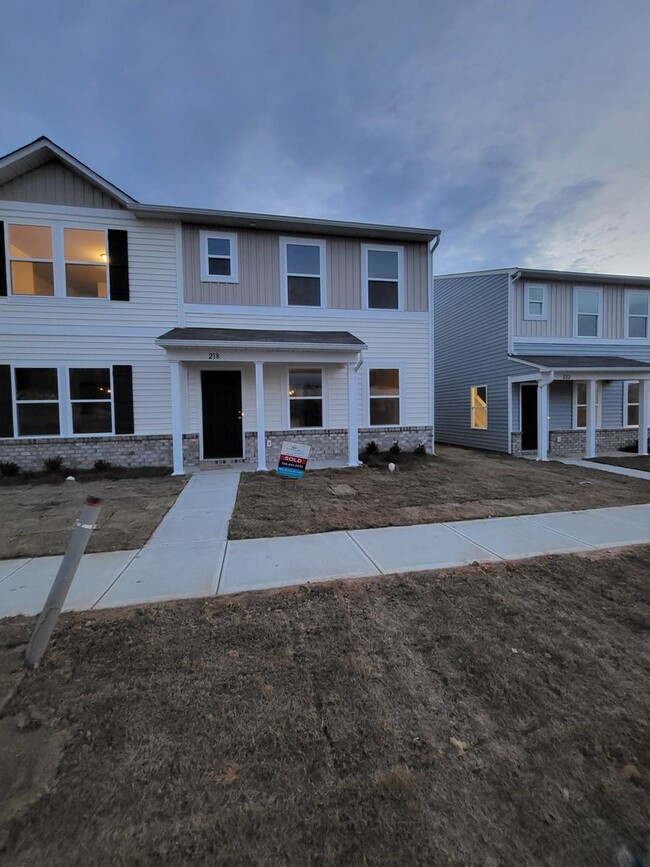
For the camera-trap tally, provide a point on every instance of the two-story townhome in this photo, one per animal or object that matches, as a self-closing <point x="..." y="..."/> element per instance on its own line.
<point x="155" y="335"/>
<point x="542" y="362"/>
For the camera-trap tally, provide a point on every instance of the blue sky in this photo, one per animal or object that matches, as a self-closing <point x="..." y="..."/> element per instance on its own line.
<point x="520" y="128"/>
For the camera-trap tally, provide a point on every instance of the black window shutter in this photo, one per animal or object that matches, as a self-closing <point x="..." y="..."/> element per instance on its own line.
<point x="6" y="408"/>
<point x="3" y="261"/>
<point x="118" y="264"/>
<point x="123" y="398"/>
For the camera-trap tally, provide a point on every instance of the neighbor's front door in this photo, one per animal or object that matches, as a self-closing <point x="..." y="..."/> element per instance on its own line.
<point x="528" y="417"/>
<point x="222" y="414"/>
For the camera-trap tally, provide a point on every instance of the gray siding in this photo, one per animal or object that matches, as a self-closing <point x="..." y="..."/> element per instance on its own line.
<point x="471" y="348"/>
<point x="259" y="272"/>
<point x="560" y="311"/>
<point x="561" y="406"/>
<point x="56" y="184"/>
<point x="636" y="349"/>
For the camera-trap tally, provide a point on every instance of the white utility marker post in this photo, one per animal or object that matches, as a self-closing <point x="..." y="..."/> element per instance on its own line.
<point x="56" y="598"/>
<point x="353" y="422"/>
<point x="259" y="407"/>
<point x="542" y="420"/>
<point x="644" y="415"/>
<point x="177" y="417"/>
<point x="592" y="386"/>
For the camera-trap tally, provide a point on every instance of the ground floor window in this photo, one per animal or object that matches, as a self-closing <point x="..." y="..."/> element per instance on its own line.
<point x="479" y="407"/>
<point x="39" y="397"/>
<point x="384" y="396"/>
<point x="631" y="412"/>
<point x="305" y="398"/>
<point x="580" y="405"/>
<point x="90" y="398"/>
<point x="37" y="401"/>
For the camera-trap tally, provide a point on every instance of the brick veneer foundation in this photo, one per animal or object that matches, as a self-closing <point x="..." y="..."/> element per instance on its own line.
<point x="573" y="442"/>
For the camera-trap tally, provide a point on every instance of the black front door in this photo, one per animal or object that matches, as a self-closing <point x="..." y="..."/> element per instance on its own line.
<point x="222" y="414"/>
<point x="528" y="417"/>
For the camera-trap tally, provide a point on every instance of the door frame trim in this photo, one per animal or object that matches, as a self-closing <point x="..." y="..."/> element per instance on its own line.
<point x="521" y="424"/>
<point x="237" y="368"/>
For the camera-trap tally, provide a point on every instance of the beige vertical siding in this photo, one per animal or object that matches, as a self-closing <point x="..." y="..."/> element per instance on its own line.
<point x="55" y="184"/>
<point x="259" y="272"/>
<point x="560" y="311"/>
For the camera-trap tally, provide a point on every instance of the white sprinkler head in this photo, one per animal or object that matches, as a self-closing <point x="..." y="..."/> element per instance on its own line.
<point x="70" y="479"/>
<point x="391" y="468"/>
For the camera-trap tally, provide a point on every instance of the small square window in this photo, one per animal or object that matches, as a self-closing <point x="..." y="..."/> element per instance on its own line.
<point x="219" y="257"/>
<point x="534" y="301"/>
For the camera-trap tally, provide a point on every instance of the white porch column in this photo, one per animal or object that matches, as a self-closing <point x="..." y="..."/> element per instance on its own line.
<point x="353" y="422"/>
<point x="644" y="415"/>
<point x="177" y="417"/>
<point x="259" y="409"/>
<point x="590" y="450"/>
<point x="542" y="421"/>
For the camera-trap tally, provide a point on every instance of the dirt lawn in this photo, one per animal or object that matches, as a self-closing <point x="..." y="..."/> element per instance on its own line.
<point x="455" y="485"/>
<point x="37" y="519"/>
<point x="495" y="715"/>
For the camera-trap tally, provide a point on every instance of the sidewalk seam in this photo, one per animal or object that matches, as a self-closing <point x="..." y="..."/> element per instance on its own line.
<point x="478" y="544"/>
<point x="364" y="552"/>
<point x="18" y="568"/>
<point x="114" y="581"/>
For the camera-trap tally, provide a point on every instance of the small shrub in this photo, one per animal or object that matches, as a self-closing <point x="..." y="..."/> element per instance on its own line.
<point x="372" y="448"/>
<point x="53" y="464"/>
<point x="395" y="448"/>
<point x="9" y="468"/>
<point x="101" y="465"/>
<point x="420" y="450"/>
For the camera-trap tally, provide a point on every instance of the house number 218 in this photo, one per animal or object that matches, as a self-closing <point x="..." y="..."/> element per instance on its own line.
<point x="213" y="356"/>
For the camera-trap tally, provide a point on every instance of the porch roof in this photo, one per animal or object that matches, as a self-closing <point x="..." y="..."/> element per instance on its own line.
<point x="583" y="362"/>
<point x="257" y="338"/>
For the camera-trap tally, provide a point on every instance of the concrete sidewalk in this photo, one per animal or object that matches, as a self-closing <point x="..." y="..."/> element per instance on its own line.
<point x="605" y="468"/>
<point x="189" y="556"/>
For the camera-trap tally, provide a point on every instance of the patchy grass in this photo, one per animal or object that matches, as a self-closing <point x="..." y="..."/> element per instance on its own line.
<point x="37" y="518"/>
<point x="490" y="715"/>
<point x="640" y="462"/>
<point x="455" y="485"/>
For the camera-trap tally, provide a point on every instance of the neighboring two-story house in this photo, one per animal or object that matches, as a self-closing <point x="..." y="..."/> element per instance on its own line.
<point x="542" y="362"/>
<point x="154" y="335"/>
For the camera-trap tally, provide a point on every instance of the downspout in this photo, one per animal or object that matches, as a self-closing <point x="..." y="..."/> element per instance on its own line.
<point x="433" y="245"/>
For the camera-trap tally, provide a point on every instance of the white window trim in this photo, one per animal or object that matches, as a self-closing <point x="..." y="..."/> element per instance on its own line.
<point x="324" y="396"/>
<point x="471" y="407"/>
<point x="284" y="273"/>
<point x="626" y="402"/>
<point x="58" y="259"/>
<point x="64" y="400"/>
<point x="534" y="317"/>
<point x="383" y="365"/>
<point x="599" y="291"/>
<point x="206" y="277"/>
<point x="574" y="404"/>
<point x="628" y="294"/>
<point x="365" y="248"/>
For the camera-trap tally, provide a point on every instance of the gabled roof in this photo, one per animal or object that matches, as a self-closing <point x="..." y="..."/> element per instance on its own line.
<point x="41" y="151"/>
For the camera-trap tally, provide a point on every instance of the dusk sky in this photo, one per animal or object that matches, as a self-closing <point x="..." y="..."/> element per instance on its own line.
<point x="519" y="128"/>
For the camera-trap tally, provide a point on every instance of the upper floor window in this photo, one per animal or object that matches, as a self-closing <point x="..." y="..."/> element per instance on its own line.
<point x="535" y="301"/>
<point x="382" y="280"/>
<point x="587" y="304"/>
<point x="66" y="261"/>
<point x="219" y="257"/>
<point x="302" y="266"/>
<point x="637" y="312"/>
<point x="31" y="261"/>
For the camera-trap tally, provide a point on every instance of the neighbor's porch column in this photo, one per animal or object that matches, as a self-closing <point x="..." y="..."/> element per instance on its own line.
<point x="542" y="420"/>
<point x="353" y="422"/>
<point x="177" y="417"/>
<point x="259" y="408"/>
<point x="644" y="415"/>
<point x="592" y="390"/>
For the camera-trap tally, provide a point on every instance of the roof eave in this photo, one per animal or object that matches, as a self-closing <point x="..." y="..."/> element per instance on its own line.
<point x="240" y="344"/>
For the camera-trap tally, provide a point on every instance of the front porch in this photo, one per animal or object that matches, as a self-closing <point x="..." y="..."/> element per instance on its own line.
<point x="580" y="406"/>
<point x="237" y="394"/>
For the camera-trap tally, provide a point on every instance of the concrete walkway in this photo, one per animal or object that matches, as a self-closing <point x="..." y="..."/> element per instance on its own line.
<point x="605" y="468"/>
<point x="188" y="555"/>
